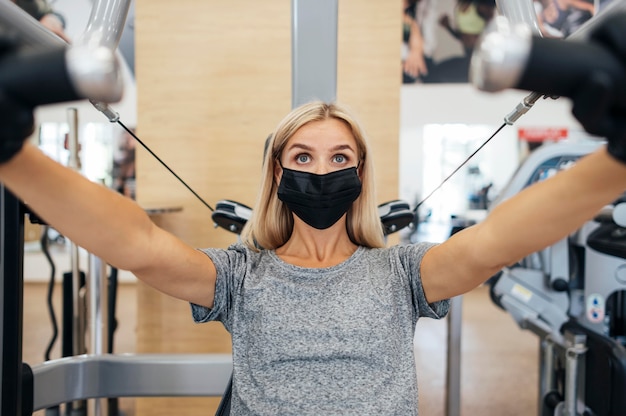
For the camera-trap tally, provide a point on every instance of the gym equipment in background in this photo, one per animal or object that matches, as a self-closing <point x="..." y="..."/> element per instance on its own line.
<point x="572" y="296"/>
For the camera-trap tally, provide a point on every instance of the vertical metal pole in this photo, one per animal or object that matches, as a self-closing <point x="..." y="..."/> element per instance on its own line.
<point x="313" y="51"/>
<point x="574" y="374"/>
<point x="453" y="369"/>
<point x="12" y="298"/>
<point x="547" y="380"/>
<point x="77" y="321"/>
<point x="72" y="139"/>
<point x="78" y="312"/>
<point x="97" y="287"/>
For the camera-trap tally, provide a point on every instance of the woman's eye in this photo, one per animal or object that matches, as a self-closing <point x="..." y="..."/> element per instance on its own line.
<point x="340" y="159"/>
<point x="302" y="158"/>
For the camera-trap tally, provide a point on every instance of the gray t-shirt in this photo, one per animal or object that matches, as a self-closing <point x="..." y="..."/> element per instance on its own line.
<point x="329" y="341"/>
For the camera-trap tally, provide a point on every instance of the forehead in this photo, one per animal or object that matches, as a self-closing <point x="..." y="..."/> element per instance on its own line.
<point x="322" y="134"/>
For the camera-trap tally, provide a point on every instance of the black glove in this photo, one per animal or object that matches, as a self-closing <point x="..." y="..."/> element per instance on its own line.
<point x="16" y="124"/>
<point x="598" y="104"/>
<point x="16" y="120"/>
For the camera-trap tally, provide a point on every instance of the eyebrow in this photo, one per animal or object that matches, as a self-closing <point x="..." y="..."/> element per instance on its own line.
<point x="309" y="148"/>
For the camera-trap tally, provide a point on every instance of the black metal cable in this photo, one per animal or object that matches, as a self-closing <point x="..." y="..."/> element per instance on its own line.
<point x="114" y="117"/>
<point x="210" y="208"/>
<point x="55" y="328"/>
<point x="459" y="167"/>
<point x="164" y="164"/>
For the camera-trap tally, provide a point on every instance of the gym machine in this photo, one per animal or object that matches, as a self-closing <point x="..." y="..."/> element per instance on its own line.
<point x="88" y="69"/>
<point x="571" y="294"/>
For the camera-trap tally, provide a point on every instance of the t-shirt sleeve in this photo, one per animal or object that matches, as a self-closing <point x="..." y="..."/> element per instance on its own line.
<point x="411" y="257"/>
<point x="230" y="265"/>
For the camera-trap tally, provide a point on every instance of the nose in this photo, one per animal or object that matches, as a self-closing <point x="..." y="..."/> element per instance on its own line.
<point x="322" y="169"/>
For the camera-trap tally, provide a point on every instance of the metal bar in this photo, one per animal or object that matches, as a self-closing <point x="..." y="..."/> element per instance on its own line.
<point x="30" y="33"/>
<point x="104" y="26"/>
<point x="106" y="23"/>
<point x="574" y="372"/>
<point x="11" y="298"/>
<point x="313" y="51"/>
<point x="97" y="305"/>
<point x="129" y="375"/>
<point x="547" y="369"/>
<point x="78" y="321"/>
<point x="453" y="369"/>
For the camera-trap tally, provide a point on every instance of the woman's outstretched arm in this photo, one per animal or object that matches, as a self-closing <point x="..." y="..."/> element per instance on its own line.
<point x="109" y="225"/>
<point x="535" y="218"/>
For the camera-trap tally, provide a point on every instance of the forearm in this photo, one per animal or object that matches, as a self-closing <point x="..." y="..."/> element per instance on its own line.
<point x="549" y="211"/>
<point x="94" y="217"/>
<point x="416" y="42"/>
<point x="535" y="218"/>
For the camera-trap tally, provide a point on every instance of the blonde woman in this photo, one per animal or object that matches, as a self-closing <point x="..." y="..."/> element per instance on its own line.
<point x="322" y="314"/>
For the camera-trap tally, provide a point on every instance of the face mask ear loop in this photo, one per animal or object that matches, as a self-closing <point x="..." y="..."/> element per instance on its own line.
<point x="282" y="169"/>
<point x="358" y="166"/>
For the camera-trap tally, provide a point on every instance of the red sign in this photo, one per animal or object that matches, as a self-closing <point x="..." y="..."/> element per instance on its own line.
<point x="540" y="134"/>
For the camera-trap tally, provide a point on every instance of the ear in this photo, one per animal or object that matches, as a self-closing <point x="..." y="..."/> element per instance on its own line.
<point x="278" y="172"/>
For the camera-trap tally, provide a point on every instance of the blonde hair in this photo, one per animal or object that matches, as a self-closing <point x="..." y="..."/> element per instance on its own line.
<point x="271" y="223"/>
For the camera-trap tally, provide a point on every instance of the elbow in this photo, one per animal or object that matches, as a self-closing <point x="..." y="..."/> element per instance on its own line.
<point x="488" y="256"/>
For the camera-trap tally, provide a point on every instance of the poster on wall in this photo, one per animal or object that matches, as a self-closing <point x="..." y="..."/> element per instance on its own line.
<point x="439" y="36"/>
<point x="561" y="18"/>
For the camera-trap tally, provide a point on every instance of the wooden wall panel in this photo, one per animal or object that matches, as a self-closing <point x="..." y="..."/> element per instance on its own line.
<point x="213" y="79"/>
<point x="369" y="80"/>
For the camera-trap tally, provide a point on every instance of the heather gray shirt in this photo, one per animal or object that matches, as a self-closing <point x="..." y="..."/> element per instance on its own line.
<point x="330" y="341"/>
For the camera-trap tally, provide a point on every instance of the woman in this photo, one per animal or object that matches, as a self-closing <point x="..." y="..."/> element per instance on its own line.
<point x="322" y="316"/>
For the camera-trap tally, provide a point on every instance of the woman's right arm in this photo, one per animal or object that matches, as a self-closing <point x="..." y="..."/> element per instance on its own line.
<point x="109" y="225"/>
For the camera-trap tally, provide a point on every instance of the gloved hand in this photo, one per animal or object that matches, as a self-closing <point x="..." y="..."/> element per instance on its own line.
<point x="16" y="120"/>
<point x="16" y="124"/>
<point x="598" y="105"/>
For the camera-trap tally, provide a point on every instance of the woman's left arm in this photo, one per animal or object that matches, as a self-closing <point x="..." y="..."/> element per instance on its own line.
<point x="535" y="218"/>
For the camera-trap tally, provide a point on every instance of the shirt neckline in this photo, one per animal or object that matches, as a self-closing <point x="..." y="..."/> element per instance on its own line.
<point x="346" y="263"/>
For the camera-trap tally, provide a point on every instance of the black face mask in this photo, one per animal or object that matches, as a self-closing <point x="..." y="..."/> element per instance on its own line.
<point x="319" y="200"/>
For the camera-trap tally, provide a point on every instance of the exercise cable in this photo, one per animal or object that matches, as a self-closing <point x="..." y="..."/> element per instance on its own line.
<point x="114" y="117"/>
<point x="521" y="109"/>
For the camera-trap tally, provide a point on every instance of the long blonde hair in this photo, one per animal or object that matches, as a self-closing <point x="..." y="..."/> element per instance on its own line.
<point x="271" y="223"/>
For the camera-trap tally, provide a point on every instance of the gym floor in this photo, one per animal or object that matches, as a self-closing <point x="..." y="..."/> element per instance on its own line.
<point x="499" y="366"/>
